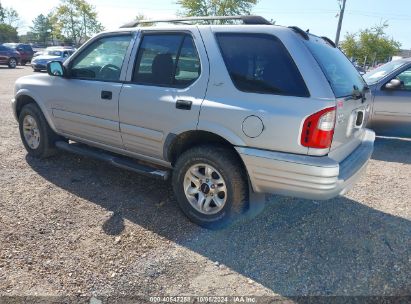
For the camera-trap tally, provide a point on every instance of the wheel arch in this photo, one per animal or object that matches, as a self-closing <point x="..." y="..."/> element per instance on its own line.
<point x="175" y="144"/>
<point x="23" y="98"/>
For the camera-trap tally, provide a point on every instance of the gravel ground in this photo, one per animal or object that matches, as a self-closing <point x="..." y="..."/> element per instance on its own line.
<point x="73" y="226"/>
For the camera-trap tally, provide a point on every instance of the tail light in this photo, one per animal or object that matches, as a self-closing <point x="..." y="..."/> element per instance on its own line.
<point x="318" y="129"/>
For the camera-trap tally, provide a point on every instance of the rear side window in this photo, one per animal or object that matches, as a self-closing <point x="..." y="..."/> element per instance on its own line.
<point x="169" y="60"/>
<point x="339" y="71"/>
<point x="259" y="63"/>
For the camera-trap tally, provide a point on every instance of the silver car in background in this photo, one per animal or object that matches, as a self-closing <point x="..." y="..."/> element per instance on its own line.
<point x="39" y="63"/>
<point x="390" y="85"/>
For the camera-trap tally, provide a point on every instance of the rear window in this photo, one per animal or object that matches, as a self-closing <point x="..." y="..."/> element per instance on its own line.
<point x="259" y="63"/>
<point x="340" y="72"/>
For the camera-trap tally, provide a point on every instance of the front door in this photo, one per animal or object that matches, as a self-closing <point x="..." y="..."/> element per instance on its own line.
<point x="392" y="107"/>
<point x="165" y="92"/>
<point x="86" y="103"/>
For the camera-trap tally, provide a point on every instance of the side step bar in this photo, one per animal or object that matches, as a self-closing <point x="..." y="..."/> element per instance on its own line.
<point x="117" y="161"/>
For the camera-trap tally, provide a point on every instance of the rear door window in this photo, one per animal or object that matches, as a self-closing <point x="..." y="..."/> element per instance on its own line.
<point x="339" y="71"/>
<point x="169" y="60"/>
<point x="259" y="63"/>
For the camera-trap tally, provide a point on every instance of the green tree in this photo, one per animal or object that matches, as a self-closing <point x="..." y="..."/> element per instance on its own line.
<point x="11" y="17"/>
<point x="75" y="20"/>
<point x="216" y="7"/>
<point x="2" y="13"/>
<point x="7" y="33"/>
<point x="42" y="28"/>
<point x="371" y="45"/>
<point x="143" y="17"/>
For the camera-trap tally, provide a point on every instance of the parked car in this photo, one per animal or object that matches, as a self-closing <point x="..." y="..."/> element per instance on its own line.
<point x="9" y="57"/>
<point x="39" y="62"/>
<point x="25" y="50"/>
<point x="390" y="85"/>
<point x="228" y="112"/>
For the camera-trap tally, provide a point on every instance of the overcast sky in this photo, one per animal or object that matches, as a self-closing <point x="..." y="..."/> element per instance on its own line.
<point x="317" y="15"/>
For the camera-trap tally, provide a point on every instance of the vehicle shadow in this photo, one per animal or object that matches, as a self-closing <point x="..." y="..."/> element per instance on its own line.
<point x="7" y="68"/>
<point x="294" y="247"/>
<point x="392" y="149"/>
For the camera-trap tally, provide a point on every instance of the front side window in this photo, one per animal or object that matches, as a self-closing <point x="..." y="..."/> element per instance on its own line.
<point x="102" y="60"/>
<point x="259" y="63"/>
<point x="167" y="60"/>
<point x="405" y="78"/>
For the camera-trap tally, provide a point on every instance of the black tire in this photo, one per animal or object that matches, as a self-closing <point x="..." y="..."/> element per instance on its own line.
<point x="229" y="165"/>
<point x="23" y="62"/>
<point x="12" y="63"/>
<point x="46" y="145"/>
<point x="36" y="70"/>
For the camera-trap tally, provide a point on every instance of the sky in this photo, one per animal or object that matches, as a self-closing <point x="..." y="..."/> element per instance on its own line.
<point x="317" y="15"/>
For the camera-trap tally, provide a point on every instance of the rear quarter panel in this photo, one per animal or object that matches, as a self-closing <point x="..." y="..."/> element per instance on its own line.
<point x="225" y="107"/>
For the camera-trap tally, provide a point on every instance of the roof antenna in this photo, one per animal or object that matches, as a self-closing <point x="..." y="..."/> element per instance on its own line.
<point x="307" y="31"/>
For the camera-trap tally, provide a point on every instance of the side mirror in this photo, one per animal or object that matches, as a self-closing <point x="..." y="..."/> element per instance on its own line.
<point x="393" y="84"/>
<point x="55" y="68"/>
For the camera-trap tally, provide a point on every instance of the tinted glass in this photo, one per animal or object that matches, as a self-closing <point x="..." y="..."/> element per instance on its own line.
<point x="259" y="63"/>
<point x="102" y="60"/>
<point x="339" y="71"/>
<point x="167" y="60"/>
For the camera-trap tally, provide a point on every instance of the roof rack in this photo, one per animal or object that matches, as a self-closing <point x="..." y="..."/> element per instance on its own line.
<point x="329" y="41"/>
<point x="249" y="19"/>
<point x="300" y="31"/>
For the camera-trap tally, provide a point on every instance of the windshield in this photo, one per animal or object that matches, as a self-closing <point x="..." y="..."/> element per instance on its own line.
<point x="54" y="53"/>
<point x="340" y="72"/>
<point x="375" y="75"/>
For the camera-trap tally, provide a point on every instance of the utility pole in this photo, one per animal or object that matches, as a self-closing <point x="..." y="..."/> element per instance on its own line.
<point x="340" y="20"/>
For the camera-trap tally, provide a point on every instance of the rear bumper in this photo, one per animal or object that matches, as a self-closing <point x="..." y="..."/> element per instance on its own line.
<point x="306" y="176"/>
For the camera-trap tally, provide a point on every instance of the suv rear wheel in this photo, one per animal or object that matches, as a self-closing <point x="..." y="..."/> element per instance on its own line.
<point x="210" y="186"/>
<point x="37" y="136"/>
<point x="12" y="63"/>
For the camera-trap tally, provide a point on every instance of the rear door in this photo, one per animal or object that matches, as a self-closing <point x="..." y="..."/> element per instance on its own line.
<point x="166" y="88"/>
<point x="352" y="96"/>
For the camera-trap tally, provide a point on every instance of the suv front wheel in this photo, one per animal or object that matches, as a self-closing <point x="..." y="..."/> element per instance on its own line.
<point x="37" y="136"/>
<point x="210" y="186"/>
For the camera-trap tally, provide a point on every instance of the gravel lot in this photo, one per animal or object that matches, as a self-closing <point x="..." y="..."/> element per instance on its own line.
<point x="73" y="226"/>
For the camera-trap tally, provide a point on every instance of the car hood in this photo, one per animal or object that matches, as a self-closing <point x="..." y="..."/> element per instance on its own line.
<point x="47" y="57"/>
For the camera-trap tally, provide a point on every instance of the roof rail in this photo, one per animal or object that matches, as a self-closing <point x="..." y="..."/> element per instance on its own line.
<point x="249" y="19"/>
<point x="329" y="41"/>
<point x="300" y="31"/>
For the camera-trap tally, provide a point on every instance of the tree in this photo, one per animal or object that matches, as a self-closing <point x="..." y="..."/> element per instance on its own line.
<point x="7" y="33"/>
<point x="75" y="20"/>
<point x="216" y="7"/>
<point x="42" y="28"/>
<point x="371" y="45"/>
<point x="143" y="17"/>
<point x="2" y="13"/>
<point x="12" y="18"/>
<point x="341" y="4"/>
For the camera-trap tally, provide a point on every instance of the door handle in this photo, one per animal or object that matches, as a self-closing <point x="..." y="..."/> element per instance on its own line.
<point x="184" y="104"/>
<point x="106" y="95"/>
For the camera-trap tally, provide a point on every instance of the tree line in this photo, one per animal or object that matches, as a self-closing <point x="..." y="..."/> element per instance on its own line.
<point x="71" y="22"/>
<point x="74" y="21"/>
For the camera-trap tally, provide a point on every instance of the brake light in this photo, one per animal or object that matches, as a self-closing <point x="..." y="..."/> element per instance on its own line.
<point x="318" y="129"/>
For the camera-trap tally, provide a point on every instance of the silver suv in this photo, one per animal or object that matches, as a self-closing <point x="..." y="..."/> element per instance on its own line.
<point x="230" y="110"/>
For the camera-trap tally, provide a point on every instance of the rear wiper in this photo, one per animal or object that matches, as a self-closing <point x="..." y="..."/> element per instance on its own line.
<point x="356" y="93"/>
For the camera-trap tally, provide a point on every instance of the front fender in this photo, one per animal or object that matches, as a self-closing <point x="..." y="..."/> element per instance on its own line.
<point x="38" y="100"/>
